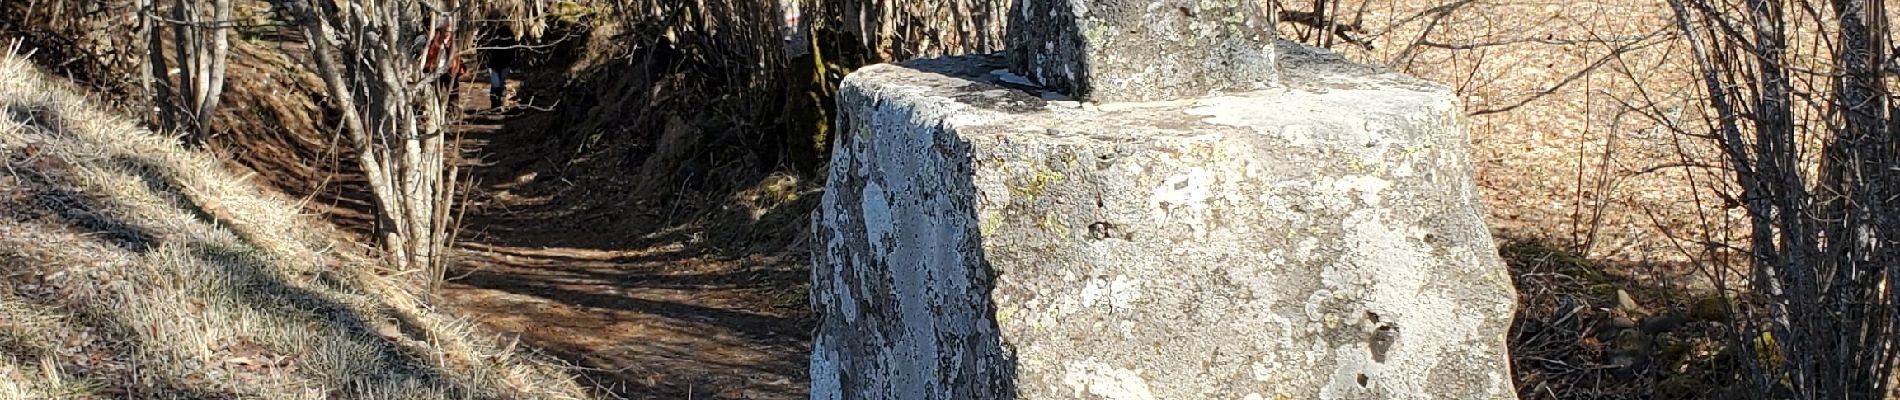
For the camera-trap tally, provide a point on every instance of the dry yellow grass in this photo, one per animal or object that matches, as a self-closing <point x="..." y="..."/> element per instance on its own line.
<point x="133" y="268"/>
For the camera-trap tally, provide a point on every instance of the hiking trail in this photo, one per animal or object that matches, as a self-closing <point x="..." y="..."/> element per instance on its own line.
<point x="642" y="304"/>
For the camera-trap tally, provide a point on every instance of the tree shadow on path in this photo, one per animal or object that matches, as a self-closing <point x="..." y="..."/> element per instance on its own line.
<point x="552" y="251"/>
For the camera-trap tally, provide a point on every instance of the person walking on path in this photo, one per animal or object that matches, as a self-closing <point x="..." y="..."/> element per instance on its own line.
<point x="498" y="54"/>
<point x="438" y="57"/>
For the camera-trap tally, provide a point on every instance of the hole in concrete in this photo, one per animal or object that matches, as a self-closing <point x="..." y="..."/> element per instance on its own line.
<point x="1102" y="230"/>
<point x="1363" y="380"/>
<point x="1382" y="340"/>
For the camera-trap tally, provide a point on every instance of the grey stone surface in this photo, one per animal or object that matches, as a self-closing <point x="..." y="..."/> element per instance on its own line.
<point x="1142" y="50"/>
<point x="1320" y="240"/>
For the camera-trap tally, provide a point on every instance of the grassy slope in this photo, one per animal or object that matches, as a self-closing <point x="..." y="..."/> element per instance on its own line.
<point x="133" y="268"/>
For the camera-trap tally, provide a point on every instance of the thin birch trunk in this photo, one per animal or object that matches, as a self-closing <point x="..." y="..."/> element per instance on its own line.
<point x="394" y="118"/>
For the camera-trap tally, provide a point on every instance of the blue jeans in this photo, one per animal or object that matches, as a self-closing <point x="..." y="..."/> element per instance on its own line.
<point x="497" y="86"/>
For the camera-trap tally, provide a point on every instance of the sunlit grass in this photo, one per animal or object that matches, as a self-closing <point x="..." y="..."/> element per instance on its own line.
<point x="132" y="267"/>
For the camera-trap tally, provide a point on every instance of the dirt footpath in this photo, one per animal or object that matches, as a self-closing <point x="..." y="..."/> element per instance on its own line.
<point x="645" y="307"/>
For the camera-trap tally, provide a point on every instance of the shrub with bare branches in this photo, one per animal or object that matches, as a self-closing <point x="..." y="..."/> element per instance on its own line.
<point x="369" y="54"/>
<point x="200" y="45"/>
<point x="1803" y="111"/>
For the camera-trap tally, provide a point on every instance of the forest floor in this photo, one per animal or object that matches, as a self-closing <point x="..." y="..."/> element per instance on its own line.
<point x="644" y="304"/>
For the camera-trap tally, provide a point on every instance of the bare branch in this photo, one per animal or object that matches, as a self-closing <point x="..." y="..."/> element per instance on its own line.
<point x="1579" y="74"/>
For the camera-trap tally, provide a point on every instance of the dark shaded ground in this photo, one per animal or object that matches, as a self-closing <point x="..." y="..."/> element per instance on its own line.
<point x="1573" y="338"/>
<point x="647" y="302"/>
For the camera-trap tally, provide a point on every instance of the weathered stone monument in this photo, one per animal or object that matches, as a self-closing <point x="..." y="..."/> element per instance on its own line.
<point x="1170" y="206"/>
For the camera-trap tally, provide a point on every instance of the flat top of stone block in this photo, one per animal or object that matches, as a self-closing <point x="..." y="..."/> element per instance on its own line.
<point x="1259" y="244"/>
<point x="1317" y="88"/>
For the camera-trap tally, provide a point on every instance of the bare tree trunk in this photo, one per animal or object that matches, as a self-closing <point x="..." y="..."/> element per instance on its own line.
<point x="1857" y="176"/>
<point x="1782" y="261"/>
<point x="210" y="74"/>
<point x="146" y="75"/>
<point x="157" y="69"/>
<point x="199" y="47"/>
<point x="1823" y="254"/>
<point x="393" y="115"/>
<point x="1730" y="135"/>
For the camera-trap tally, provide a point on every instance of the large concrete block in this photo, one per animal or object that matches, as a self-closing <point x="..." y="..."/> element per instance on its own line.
<point x="1320" y="240"/>
<point x="1142" y="50"/>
